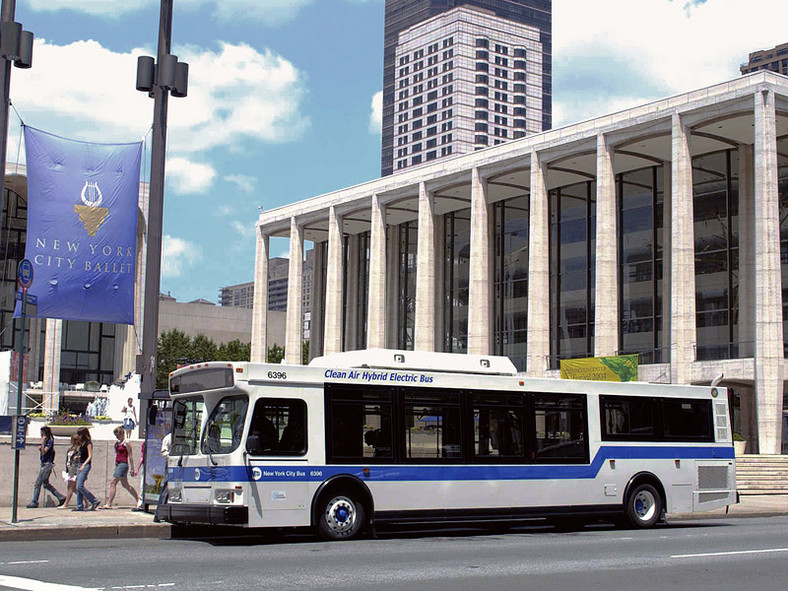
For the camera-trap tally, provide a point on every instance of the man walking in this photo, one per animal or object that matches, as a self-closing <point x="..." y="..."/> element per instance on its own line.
<point x="47" y="450"/>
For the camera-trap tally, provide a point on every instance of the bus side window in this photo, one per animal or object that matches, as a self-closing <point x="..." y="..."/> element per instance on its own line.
<point x="278" y="427"/>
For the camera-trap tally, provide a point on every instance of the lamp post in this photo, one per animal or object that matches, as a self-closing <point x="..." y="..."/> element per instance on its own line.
<point x="16" y="46"/>
<point x="166" y="76"/>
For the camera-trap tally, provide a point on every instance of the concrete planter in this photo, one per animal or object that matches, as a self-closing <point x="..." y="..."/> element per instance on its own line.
<point x="739" y="447"/>
<point x="66" y="430"/>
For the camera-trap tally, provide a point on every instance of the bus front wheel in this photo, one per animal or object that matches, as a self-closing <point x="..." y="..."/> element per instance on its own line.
<point x="341" y="517"/>
<point x="644" y="506"/>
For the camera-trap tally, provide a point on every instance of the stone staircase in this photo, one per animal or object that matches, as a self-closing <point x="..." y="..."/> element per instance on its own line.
<point x="762" y="474"/>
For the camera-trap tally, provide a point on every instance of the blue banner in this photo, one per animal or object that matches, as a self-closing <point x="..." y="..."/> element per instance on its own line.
<point x="82" y="227"/>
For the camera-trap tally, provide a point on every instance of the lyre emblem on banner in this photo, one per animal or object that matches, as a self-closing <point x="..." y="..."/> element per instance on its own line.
<point x="90" y="214"/>
<point x="91" y="194"/>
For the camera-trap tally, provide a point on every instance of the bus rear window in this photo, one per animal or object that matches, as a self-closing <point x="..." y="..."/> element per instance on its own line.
<point x="212" y="378"/>
<point x="186" y="425"/>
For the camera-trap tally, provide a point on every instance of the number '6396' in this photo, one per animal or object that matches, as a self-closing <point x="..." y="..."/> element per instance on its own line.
<point x="277" y="375"/>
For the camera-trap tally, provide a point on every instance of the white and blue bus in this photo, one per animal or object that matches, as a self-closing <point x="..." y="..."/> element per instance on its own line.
<point x="364" y="438"/>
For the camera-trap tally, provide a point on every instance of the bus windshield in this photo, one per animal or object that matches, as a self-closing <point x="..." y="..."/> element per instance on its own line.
<point x="224" y="428"/>
<point x="186" y="425"/>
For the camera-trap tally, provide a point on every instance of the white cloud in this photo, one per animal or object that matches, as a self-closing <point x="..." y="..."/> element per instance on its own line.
<point x="376" y="116"/>
<point x="613" y="54"/>
<point x="244" y="229"/>
<point x="188" y="177"/>
<point x="177" y="255"/>
<point x="85" y="91"/>
<point x="235" y="94"/>
<point x="244" y="182"/>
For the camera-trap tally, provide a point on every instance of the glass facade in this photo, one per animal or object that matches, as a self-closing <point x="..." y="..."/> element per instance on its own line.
<point x="407" y="248"/>
<point x="782" y="168"/>
<point x="456" y="260"/>
<point x="640" y="264"/>
<point x="12" y="248"/>
<point x="87" y="352"/>
<point x="510" y="297"/>
<point x="572" y="262"/>
<point x="716" y="208"/>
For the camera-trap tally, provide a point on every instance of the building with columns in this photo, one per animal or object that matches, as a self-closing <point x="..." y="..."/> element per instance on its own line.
<point x="657" y="230"/>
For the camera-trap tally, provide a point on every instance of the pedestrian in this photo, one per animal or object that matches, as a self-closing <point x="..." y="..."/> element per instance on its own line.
<point x="72" y="468"/>
<point x="164" y="495"/>
<point x="47" y="453"/>
<point x="129" y="417"/>
<point x="85" y="458"/>
<point x="124" y="462"/>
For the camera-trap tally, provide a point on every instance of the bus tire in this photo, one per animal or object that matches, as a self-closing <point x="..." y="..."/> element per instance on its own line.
<point x="340" y="517"/>
<point x="643" y="507"/>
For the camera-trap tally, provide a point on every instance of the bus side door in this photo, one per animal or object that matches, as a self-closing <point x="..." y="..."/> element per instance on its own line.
<point x="277" y="445"/>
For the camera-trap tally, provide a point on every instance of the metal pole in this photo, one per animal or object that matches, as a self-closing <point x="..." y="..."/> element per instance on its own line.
<point x="7" y="13"/>
<point x="21" y="349"/>
<point x="146" y="362"/>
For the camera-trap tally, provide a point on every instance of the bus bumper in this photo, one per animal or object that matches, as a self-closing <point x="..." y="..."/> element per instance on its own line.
<point x="207" y="514"/>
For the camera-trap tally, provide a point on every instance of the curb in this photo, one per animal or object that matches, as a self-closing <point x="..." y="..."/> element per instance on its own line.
<point x="88" y="532"/>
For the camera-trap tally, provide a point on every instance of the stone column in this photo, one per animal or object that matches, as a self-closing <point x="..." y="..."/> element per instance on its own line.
<point x="683" y="334"/>
<point x="260" y="306"/>
<point x="52" y="346"/>
<point x="424" y="337"/>
<point x="746" y="253"/>
<point x="667" y="207"/>
<point x="538" y="272"/>
<point x="606" y="314"/>
<point x="318" y="301"/>
<point x="768" y="290"/>
<point x="479" y="269"/>
<point x="294" y="320"/>
<point x="351" y="291"/>
<point x="393" y="288"/>
<point x="332" y="338"/>
<point x="376" y="306"/>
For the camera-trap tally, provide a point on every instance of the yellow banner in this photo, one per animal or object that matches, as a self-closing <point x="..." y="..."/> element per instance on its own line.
<point x="621" y="368"/>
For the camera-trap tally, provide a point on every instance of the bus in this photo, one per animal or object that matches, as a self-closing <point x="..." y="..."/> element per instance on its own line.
<point x="362" y="439"/>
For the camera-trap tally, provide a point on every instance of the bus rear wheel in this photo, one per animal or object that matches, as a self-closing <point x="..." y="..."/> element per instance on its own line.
<point x="341" y="517"/>
<point x="644" y="506"/>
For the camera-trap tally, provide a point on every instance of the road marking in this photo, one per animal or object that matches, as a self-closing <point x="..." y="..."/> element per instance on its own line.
<point x="24" y="562"/>
<point x="35" y="585"/>
<point x="733" y="553"/>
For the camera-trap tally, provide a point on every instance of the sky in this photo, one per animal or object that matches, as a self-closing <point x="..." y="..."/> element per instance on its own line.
<point x="284" y="97"/>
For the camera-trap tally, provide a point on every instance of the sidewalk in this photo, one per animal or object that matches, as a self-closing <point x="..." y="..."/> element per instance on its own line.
<point x="47" y="522"/>
<point x="748" y="506"/>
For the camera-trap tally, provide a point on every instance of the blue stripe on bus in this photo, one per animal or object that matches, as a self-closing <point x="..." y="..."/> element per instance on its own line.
<point x="436" y="472"/>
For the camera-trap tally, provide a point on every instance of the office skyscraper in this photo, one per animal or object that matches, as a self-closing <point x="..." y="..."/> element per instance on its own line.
<point x="460" y="75"/>
<point x="774" y="60"/>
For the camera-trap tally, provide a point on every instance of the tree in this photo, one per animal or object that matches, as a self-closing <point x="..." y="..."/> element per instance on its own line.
<point x="173" y="346"/>
<point x="234" y="351"/>
<point x="202" y="349"/>
<point x="176" y="348"/>
<point x="275" y="354"/>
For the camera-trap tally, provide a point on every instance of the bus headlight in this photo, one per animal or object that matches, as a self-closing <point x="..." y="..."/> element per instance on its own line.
<point x="175" y="495"/>
<point x="224" y="495"/>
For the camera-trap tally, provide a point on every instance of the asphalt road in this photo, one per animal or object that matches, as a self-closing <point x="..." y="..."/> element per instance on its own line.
<point x="736" y="554"/>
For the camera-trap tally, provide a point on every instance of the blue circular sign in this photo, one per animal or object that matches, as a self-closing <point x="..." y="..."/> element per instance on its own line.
<point x="25" y="273"/>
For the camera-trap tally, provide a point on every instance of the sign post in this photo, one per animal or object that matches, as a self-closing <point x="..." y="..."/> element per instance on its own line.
<point x="25" y="280"/>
